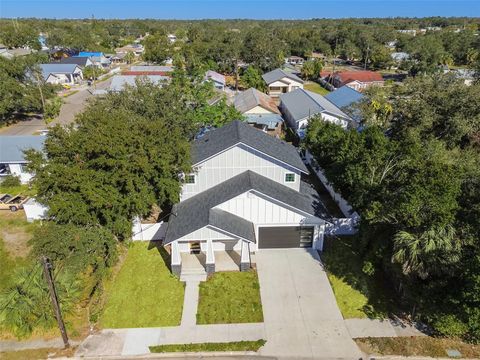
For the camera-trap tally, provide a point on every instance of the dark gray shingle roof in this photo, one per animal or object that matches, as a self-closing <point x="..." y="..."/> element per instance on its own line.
<point x="232" y="224"/>
<point x="195" y="212"/>
<point x="80" y="61"/>
<point x="279" y="74"/>
<point x="236" y="132"/>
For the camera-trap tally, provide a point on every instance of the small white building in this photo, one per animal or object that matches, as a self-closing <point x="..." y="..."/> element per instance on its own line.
<point x="216" y="78"/>
<point x="281" y="82"/>
<point x="12" y="158"/>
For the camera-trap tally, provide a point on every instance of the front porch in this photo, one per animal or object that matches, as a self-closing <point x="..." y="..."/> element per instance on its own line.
<point x="207" y="260"/>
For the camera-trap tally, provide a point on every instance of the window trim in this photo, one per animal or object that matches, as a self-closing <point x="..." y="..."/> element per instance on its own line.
<point x="192" y="176"/>
<point x="287" y="174"/>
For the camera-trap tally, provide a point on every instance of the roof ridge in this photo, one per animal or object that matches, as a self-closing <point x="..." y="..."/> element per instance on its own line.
<point x="255" y="95"/>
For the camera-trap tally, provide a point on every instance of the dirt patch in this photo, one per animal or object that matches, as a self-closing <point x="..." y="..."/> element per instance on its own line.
<point x="417" y="346"/>
<point x="16" y="241"/>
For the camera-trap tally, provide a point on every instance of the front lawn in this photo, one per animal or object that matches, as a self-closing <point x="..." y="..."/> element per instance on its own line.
<point x="316" y="88"/>
<point x="230" y="297"/>
<point x="417" y="346"/>
<point x="144" y="293"/>
<point x="358" y="295"/>
<point x="229" y="346"/>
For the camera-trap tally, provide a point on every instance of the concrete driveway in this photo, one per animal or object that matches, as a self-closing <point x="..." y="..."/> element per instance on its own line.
<point x="301" y="316"/>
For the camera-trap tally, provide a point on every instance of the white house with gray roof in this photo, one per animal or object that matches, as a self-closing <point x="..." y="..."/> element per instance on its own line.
<point x="56" y="73"/>
<point x="12" y="158"/>
<point x="300" y="105"/>
<point x="245" y="194"/>
<point x="281" y="82"/>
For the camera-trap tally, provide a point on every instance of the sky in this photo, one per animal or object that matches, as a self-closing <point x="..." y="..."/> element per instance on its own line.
<point x="227" y="9"/>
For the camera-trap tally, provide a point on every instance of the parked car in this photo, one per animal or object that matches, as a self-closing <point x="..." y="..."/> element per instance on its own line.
<point x="12" y="203"/>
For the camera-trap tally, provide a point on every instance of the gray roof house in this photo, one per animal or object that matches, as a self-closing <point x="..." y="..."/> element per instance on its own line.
<point x="280" y="82"/>
<point x="246" y="187"/>
<point x="218" y="79"/>
<point x="119" y="82"/>
<point x="300" y="105"/>
<point x="12" y="158"/>
<point x="80" y="61"/>
<point x="61" y="73"/>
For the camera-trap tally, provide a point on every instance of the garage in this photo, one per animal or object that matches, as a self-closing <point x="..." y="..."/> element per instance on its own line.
<point x="281" y="237"/>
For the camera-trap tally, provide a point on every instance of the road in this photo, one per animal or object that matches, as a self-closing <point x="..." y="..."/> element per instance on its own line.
<point x="72" y="105"/>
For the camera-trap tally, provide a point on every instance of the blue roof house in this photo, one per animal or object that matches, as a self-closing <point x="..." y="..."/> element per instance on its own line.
<point x="345" y="98"/>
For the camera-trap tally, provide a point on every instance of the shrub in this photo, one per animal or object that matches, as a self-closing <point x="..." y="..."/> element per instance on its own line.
<point x="449" y="325"/>
<point x="52" y="109"/>
<point x="11" y="181"/>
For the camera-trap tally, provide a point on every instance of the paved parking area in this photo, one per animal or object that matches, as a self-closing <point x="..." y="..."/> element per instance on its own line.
<point x="302" y="319"/>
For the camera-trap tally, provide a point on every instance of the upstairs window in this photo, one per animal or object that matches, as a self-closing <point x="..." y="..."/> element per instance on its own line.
<point x="190" y="179"/>
<point x="289" y="177"/>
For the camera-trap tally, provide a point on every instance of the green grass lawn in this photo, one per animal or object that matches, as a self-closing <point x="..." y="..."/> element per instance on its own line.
<point x="358" y="295"/>
<point x="20" y="189"/>
<point x="316" y="88"/>
<point x="144" y="293"/>
<point x="230" y="297"/>
<point x="229" y="346"/>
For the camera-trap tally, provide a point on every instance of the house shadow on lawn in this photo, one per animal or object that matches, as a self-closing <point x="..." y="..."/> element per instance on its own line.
<point x="157" y="245"/>
<point x="358" y="294"/>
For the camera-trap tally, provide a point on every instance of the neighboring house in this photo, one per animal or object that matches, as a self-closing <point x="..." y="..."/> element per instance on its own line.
<point x="291" y="69"/>
<point x="281" y="82"/>
<point x="118" y="58"/>
<point x="80" y="61"/>
<point x="357" y="80"/>
<point x="98" y="58"/>
<point x="172" y="38"/>
<point x="12" y="159"/>
<point x="345" y="98"/>
<point x="411" y="32"/>
<point x="300" y="105"/>
<point x="137" y="49"/>
<point x="217" y="79"/>
<point x="246" y="194"/>
<point x="467" y="75"/>
<point x="316" y="56"/>
<point x="295" y="60"/>
<point x="260" y="110"/>
<point x="61" y="73"/>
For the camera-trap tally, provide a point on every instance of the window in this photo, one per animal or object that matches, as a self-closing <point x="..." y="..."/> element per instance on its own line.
<point x="190" y="179"/>
<point x="289" y="177"/>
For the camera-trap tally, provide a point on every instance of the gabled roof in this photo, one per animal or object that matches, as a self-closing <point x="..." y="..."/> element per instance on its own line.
<point x="196" y="212"/>
<point x="48" y="69"/>
<point x="151" y="68"/>
<point x="279" y="74"/>
<point x="80" y="61"/>
<point x="238" y="132"/>
<point x="12" y="147"/>
<point x="271" y="121"/>
<point x="302" y="103"/>
<point x="345" y="77"/>
<point x="215" y="76"/>
<point x="251" y="98"/>
<point x="344" y="97"/>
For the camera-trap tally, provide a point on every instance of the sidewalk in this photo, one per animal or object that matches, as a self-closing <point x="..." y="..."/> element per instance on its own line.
<point x="359" y="328"/>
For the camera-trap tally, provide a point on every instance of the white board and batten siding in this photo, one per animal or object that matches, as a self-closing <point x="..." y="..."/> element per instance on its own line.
<point x="263" y="212"/>
<point x="233" y="162"/>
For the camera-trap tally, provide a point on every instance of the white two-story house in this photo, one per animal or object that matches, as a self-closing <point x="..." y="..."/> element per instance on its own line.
<point x="245" y="194"/>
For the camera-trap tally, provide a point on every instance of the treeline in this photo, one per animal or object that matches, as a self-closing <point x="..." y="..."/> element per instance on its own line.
<point x="413" y="175"/>
<point x="220" y="43"/>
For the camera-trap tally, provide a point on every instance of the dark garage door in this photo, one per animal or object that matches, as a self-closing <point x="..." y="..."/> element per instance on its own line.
<point x="285" y="237"/>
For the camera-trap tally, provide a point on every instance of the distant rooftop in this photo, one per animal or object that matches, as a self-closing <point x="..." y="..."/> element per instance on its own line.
<point x="12" y="147"/>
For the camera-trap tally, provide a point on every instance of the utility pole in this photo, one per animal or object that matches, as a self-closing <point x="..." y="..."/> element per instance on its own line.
<point x="366" y="57"/>
<point x="47" y="267"/>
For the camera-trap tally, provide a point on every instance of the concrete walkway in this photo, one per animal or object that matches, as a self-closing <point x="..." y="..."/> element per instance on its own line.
<point x="359" y="328"/>
<point x="13" y="345"/>
<point x="190" y="304"/>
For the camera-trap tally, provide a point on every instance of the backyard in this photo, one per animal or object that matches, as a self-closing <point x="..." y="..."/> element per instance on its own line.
<point x="358" y="295"/>
<point x="316" y="88"/>
<point x="144" y="293"/>
<point x="230" y="297"/>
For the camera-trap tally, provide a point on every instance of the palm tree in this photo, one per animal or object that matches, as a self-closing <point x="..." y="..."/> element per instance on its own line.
<point x="26" y="305"/>
<point x="426" y="253"/>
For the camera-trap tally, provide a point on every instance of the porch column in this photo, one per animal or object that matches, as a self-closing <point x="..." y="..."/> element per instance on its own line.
<point x="210" y="261"/>
<point x="245" y="256"/>
<point x="176" y="259"/>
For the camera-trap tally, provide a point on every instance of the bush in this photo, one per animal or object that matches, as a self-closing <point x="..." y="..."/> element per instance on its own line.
<point x="11" y="181"/>
<point x="52" y="109"/>
<point x="449" y="325"/>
